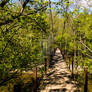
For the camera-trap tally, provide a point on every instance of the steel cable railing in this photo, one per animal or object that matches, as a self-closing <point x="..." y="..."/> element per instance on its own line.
<point x="82" y="75"/>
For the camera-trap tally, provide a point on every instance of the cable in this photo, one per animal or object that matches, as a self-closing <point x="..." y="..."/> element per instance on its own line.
<point x="86" y="46"/>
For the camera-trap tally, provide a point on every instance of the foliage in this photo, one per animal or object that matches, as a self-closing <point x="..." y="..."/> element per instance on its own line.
<point x="30" y="29"/>
<point x="21" y="33"/>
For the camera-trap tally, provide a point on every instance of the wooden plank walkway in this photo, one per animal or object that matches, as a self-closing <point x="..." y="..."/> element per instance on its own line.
<point x="58" y="78"/>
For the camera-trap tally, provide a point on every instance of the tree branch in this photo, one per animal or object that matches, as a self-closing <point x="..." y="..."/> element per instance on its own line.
<point x="4" y="2"/>
<point x="9" y="40"/>
<point x="17" y="17"/>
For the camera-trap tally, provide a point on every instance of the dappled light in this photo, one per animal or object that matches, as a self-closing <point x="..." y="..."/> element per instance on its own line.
<point x="45" y="45"/>
<point x="59" y="78"/>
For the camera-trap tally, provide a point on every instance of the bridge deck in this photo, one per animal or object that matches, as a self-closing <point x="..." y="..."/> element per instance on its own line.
<point x="59" y="78"/>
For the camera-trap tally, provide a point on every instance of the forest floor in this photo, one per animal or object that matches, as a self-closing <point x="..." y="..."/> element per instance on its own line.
<point x="58" y="78"/>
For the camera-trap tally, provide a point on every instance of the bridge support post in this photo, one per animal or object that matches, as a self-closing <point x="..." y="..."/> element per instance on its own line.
<point x="35" y="79"/>
<point x="65" y="58"/>
<point x="69" y="61"/>
<point x="85" y="79"/>
<point x="72" y="67"/>
<point x="45" y="67"/>
<point x="47" y="63"/>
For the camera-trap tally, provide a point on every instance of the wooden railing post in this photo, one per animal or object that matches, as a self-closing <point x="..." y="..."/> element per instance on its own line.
<point x="45" y="66"/>
<point x="69" y="61"/>
<point x="47" y="63"/>
<point x="72" y="67"/>
<point x="65" y="59"/>
<point x="85" y="79"/>
<point x="35" y="78"/>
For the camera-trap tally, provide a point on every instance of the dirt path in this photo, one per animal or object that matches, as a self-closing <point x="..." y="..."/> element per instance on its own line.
<point x="59" y="78"/>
